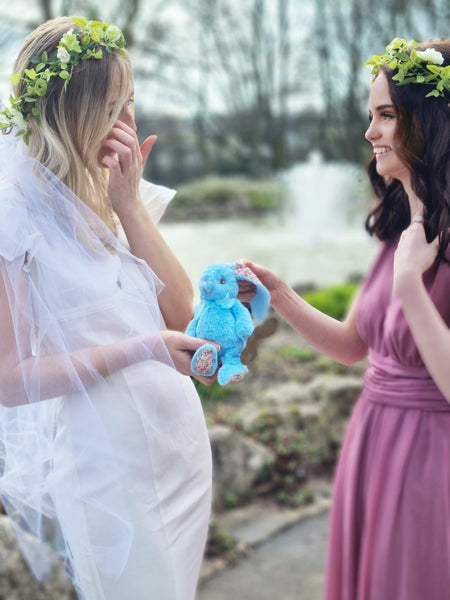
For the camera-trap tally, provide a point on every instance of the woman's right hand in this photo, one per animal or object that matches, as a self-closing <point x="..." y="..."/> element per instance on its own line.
<point x="181" y="348"/>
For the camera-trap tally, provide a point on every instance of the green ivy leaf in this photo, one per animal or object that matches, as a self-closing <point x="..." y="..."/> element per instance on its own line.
<point x="41" y="87"/>
<point x="80" y="22"/>
<point x="31" y="74"/>
<point x="393" y="64"/>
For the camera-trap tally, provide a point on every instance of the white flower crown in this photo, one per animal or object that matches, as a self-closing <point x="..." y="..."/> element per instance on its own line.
<point x="423" y="67"/>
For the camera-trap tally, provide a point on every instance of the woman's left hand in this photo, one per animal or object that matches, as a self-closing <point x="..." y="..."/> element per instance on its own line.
<point x="414" y="255"/>
<point x="181" y="348"/>
<point x="121" y="154"/>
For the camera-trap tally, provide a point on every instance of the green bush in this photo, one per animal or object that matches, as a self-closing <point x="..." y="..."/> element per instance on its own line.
<point x="334" y="301"/>
<point x="212" y="393"/>
<point x="238" y="192"/>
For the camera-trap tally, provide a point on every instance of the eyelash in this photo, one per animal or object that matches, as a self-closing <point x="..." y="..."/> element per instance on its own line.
<point x="383" y="115"/>
<point x="130" y="102"/>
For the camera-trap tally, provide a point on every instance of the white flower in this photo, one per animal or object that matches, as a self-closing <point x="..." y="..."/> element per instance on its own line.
<point x="63" y="55"/>
<point x="431" y="55"/>
<point x="17" y="118"/>
<point x="113" y="33"/>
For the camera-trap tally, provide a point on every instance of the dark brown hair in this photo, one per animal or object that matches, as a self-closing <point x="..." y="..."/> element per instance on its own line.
<point x="423" y="139"/>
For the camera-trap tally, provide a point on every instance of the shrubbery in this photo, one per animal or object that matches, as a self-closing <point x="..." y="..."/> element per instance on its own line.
<point x="333" y="301"/>
<point x="218" y="197"/>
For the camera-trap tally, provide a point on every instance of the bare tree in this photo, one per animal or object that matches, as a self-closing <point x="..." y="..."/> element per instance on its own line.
<point x="124" y="14"/>
<point x="246" y="71"/>
<point x="347" y="32"/>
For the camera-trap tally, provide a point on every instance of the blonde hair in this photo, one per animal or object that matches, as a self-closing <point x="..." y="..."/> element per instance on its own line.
<point x="67" y="135"/>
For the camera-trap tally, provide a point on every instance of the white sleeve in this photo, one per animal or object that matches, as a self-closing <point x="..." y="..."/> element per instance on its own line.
<point x="156" y="198"/>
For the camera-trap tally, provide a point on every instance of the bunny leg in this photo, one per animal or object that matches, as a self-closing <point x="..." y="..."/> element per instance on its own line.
<point x="232" y="369"/>
<point x="204" y="361"/>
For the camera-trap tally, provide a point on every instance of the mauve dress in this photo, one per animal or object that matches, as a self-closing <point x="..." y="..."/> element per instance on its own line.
<point x="390" y="521"/>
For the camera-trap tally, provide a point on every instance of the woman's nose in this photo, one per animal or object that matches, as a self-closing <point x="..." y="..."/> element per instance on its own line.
<point x="371" y="132"/>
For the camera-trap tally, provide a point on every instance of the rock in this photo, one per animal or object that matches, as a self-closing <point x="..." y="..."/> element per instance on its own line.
<point x="17" y="582"/>
<point x="289" y="393"/>
<point x="337" y="396"/>
<point x="337" y="393"/>
<point x="238" y="463"/>
<point x="309" y="419"/>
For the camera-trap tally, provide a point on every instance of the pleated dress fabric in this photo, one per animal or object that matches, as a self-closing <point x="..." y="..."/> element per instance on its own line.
<point x="390" y="521"/>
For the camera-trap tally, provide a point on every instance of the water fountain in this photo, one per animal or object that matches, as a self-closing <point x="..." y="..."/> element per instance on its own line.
<point x="328" y="201"/>
<point x="318" y="239"/>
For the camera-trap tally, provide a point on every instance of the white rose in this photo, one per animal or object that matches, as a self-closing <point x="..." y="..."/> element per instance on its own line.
<point x="431" y="55"/>
<point x="17" y="119"/>
<point x="113" y="33"/>
<point x="63" y="55"/>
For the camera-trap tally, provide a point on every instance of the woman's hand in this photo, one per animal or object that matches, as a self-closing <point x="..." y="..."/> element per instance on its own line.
<point x="181" y="348"/>
<point x="414" y="255"/>
<point x="121" y="154"/>
<point x="267" y="277"/>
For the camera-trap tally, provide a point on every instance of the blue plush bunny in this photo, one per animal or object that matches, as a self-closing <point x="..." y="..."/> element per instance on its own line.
<point x="222" y="318"/>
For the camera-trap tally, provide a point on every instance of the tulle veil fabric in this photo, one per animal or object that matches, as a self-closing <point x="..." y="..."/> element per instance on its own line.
<point x="69" y="286"/>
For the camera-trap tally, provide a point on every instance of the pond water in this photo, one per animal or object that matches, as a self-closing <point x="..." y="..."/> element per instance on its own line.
<point x="318" y="239"/>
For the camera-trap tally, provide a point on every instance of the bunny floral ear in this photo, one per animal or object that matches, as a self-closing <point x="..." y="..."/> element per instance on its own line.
<point x="260" y="302"/>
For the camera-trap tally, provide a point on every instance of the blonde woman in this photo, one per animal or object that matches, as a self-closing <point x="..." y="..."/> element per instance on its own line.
<point x="104" y="454"/>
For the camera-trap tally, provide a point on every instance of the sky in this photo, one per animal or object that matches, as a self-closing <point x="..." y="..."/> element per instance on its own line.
<point x="15" y="19"/>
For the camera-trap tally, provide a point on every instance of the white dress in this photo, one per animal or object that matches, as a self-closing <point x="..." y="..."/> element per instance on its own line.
<point x="116" y="476"/>
<point x="169" y="504"/>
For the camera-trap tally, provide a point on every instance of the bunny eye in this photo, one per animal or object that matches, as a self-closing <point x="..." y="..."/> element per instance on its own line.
<point x="222" y="281"/>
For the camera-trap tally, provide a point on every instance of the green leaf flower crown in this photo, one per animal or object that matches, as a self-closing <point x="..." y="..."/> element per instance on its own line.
<point x="83" y="42"/>
<point x="414" y="66"/>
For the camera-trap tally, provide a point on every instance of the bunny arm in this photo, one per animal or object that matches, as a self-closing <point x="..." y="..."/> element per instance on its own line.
<point x="244" y="324"/>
